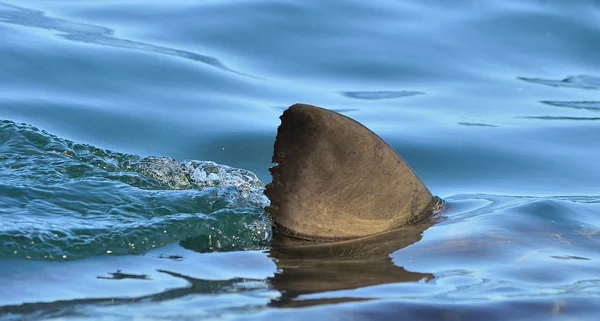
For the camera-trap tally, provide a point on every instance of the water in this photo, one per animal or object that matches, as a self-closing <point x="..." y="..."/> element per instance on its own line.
<point x="110" y="111"/>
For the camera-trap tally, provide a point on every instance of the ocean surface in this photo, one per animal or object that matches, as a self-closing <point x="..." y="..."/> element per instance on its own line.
<point x="136" y="137"/>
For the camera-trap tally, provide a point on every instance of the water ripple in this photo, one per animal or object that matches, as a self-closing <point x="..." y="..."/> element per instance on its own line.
<point x="581" y="82"/>
<point x="374" y="95"/>
<point x="470" y="124"/>
<point x="560" y="118"/>
<point x="194" y="286"/>
<point x="98" y="35"/>
<point x="585" y="105"/>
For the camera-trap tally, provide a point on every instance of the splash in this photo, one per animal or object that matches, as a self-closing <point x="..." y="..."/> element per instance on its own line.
<point x="64" y="200"/>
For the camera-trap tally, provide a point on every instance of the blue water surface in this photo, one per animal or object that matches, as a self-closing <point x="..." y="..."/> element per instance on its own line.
<point x="111" y="110"/>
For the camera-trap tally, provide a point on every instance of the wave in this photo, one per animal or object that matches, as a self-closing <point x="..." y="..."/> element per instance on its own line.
<point x="64" y="200"/>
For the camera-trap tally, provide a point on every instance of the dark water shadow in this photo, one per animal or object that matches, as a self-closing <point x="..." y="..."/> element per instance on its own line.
<point x="375" y="95"/>
<point x="87" y="33"/>
<point x="580" y="82"/>
<point x="303" y="268"/>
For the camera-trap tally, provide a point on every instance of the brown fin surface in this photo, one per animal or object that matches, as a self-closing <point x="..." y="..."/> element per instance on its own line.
<point x="335" y="179"/>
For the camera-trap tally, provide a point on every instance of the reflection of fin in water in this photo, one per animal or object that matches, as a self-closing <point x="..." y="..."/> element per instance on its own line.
<point x="86" y="33"/>
<point x="336" y="179"/>
<point x="331" y="266"/>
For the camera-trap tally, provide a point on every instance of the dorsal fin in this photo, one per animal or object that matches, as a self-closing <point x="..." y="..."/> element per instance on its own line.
<point x="335" y="179"/>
